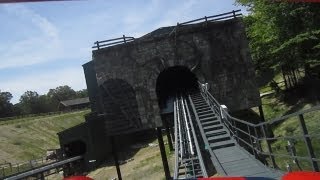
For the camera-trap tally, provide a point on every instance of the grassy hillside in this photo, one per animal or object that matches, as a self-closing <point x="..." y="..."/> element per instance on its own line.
<point x="146" y="164"/>
<point x="28" y="138"/>
<point x="288" y="102"/>
<point x="275" y="107"/>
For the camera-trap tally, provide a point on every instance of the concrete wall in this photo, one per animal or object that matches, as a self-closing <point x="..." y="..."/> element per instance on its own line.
<point x="216" y="52"/>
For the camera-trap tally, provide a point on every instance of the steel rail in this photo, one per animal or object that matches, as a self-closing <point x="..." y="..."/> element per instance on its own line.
<point x="187" y="127"/>
<point x="42" y="169"/>
<point x="179" y="128"/>
<point x="176" y="144"/>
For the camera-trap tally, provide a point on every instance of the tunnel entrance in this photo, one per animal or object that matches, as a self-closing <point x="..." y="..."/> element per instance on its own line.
<point x="173" y="81"/>
<point x="75" y="148"/>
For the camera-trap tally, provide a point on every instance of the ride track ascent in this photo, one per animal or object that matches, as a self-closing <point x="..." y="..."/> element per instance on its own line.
<point x="195" y="120"/>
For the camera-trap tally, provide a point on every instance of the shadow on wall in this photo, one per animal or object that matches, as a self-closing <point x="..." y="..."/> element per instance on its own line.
<point x="120" y="106"/>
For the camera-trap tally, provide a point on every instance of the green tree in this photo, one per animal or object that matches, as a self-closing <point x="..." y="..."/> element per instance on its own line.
<point x="61" y="93"/>
<point x="6" y="108"/>
<point x="283" y="34"/>
<point x="29" y="102"/>
<point x="82" y="93"/>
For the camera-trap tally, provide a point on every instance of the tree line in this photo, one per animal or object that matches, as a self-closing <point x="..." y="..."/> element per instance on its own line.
<point x="284" y="36"/>
<point x="31" y="102"/>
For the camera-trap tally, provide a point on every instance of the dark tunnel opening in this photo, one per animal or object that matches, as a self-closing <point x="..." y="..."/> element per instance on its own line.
<point x="75" y="148"/>
<point x="173" y="81"/>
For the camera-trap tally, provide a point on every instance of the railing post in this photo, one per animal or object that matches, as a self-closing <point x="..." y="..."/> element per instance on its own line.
<point x="263" y="128"/>
<point x="261" y="114"/>
<point x="163" y="154"/>
<point x="234" y="14"/>
<point x="206" y="19"/>
<point x="288" y="166"/>
<point x="124" y="38"/>
<point x="251" y="142"/>
<point x="98" y="46"/>
<point x="257" y="138"/>
<point x="292" y="151"/>
<point x="308" y="143"/>
<point x="165" y="123"/>
<point x="115" y="157"/>
<point x="235" y="131"/>
<point x="258" y="145"/>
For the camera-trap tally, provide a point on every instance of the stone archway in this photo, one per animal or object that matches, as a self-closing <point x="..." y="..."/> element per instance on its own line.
<point x="173" y="81"/>
<point x="120" y="106"/>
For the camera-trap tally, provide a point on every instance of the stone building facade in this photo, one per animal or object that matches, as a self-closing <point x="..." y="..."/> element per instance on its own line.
<point x="216" y="52"/>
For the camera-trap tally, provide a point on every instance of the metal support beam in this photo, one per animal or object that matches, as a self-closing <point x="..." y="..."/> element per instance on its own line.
<point x="270" y="152"/>
<point x="42" y="176"/>
<point x="165" y="122"/>
<point x="172" y="133"/>
<point x="115" y="157"/>
<point x="307" y="140"/>
<point x="163" y="154"/>
<point x="261" y="114"/>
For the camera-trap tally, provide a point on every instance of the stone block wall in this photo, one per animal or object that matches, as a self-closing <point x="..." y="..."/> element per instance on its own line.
<point x="216" y="52"/>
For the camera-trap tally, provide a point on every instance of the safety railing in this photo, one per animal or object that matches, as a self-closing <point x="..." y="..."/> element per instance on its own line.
<point x="299" y="146"/>
<point x="220" y="17"/>
<point x="112" y="42"/>
<point x="41" y="169"/>
<point x="8" y="168"/>
<point x="124" y="39"/>
<point x="223" y="16"/>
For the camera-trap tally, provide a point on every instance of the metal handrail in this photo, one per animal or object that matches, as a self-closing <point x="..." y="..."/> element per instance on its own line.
<point x="206" y="19"/>
<point x="110" y="42"/>
<point x="42" y="169"/>
<point x="255" y="140"/>
<point x="222" y="16"/>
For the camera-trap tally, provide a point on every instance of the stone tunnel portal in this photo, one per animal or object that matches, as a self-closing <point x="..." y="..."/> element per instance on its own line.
<point x="75" y="148"/>
<point x="173" y="81"/>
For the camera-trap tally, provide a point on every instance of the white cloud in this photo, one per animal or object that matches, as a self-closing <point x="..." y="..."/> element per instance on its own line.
<point x="27" y="14"/>
<point x="42" y="47"/>
<point x="171" y="16"/>
<point x="41" y="82"/>
<point x="44" y="41"/>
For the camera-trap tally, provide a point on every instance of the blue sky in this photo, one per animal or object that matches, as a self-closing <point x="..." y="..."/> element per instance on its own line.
<point x="43" y="45"/>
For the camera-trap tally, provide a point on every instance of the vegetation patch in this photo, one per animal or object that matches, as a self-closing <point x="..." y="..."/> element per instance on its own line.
<point x="27" y="138"/>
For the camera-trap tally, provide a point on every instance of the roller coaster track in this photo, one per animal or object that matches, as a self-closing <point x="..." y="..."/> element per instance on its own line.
<point x="227" y="156"/>
<point x="202" y="126"/>
<point x="188" y="161"/>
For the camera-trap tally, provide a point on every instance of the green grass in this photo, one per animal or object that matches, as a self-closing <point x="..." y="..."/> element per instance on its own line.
<point x="273" y="107"/>
<point x="146" y="164"/>
<point x="29" y="138"/>
<point x="291" y="127"/>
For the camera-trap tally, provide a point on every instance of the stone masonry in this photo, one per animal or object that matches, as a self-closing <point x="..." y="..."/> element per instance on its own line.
<point x="216" y="52"/>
